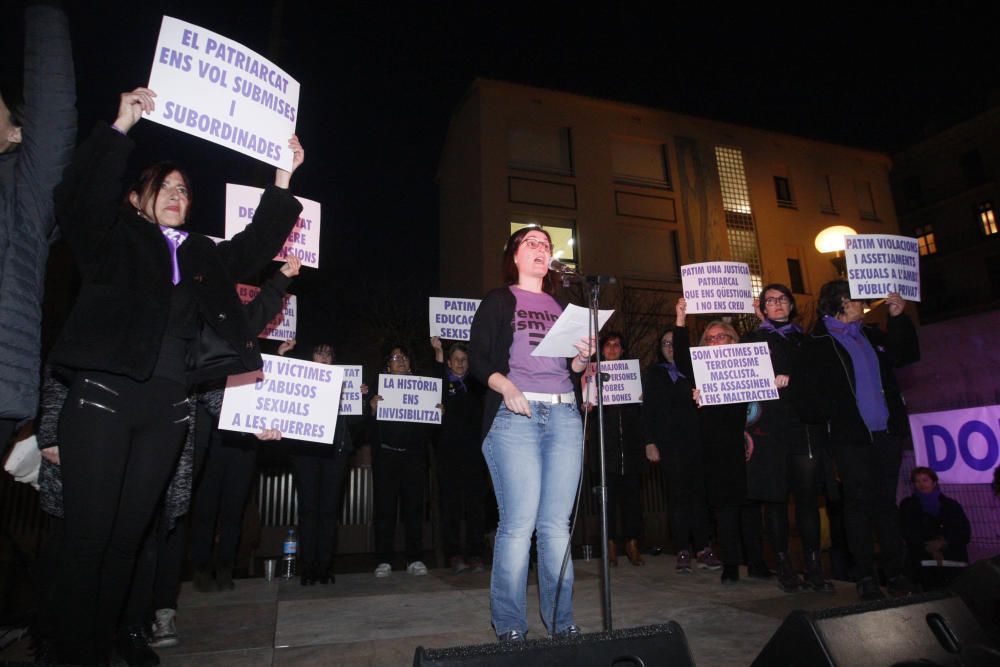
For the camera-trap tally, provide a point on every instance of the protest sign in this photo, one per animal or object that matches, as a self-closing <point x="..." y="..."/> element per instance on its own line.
<point x="878" y="264"/>
<point x="282" y="327"/>
<point x="350" y="392"/>
<point x="219" y="90"/>
<point x="961" y="446"/>
<point x="452" y="318"/>
<point x="299" y="398"/>
<point x="302" y="241"/>
<point x="717" y="287"/>
<point x="623" y="383"/>
<point x="409" y="398"/>
<point x="738" y="373"/>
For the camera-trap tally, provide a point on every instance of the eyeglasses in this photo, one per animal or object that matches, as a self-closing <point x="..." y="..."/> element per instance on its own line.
<point x="776" y="300"/>
<point x="399" y="357"/>
<point x="537" y="244"/>
<point x="718" y="338"/>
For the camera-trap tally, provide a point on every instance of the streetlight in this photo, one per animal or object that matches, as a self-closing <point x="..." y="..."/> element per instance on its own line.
<point x="831" y="240"/>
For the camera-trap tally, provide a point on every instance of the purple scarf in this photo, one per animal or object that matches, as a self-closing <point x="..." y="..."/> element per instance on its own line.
<point x="458" y="381"/>
<point x="174" y="239"/>
<point x="781" y="328"/>
<point x="672" y="370"/>
<point x="867" y="380"/>
<point x="930" y="502"/>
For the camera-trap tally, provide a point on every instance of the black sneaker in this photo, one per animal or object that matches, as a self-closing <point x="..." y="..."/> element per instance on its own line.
<point x="868" y="590"/>
<point x="133" y="648"/>
<point x="814" y="578"/>
<point x="730" y="574"/>
<point x="512" y="636"/>
<point x="788" y="578"/>
<point x="570" y="632"/>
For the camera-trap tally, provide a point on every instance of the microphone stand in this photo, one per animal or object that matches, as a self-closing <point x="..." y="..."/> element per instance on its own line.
<point x="593" y="284"/>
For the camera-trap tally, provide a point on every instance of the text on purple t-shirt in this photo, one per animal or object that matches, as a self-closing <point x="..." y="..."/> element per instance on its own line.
<point x="534" y="315"/>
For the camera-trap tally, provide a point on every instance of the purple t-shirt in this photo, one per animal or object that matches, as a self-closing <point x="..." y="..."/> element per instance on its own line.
<point x="534" y="315"/>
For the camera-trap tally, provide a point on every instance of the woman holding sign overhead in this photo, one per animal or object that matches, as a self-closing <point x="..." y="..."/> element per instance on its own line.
<point x="844" y="379"/>
<point x="533" y="437"/>
<point x="157" y="312"/>
<point x="725" y="451"/>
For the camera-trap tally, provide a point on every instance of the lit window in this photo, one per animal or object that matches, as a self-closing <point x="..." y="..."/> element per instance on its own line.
<point x="925" y="238"/>
<point x="987" y="218"/>
<point x="544" y="149"/>
<point x="563" y="233"/>
<point x="783" y="192"/>
<point x="741" y="229"/>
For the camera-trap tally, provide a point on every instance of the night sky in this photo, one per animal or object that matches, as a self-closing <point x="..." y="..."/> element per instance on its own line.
<point x="379" y="85"/>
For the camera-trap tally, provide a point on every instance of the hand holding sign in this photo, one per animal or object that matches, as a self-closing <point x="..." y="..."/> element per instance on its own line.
<point x="131" y="106"/>
<point x="282" y="178"/>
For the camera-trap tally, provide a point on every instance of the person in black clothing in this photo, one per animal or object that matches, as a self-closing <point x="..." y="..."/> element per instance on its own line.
<point x="726" y="453"/>
<point x="672" y="432"/>
<point x="788" y="455"/>
<point x="624" y="459"/>
<point x="935" y="529"/>
<point x="399" y="469"/>
<point x="844" y="379"/>
<point x="153" y="301"/>
<point x="320" y="471"/>
<point x="460" y="466"/>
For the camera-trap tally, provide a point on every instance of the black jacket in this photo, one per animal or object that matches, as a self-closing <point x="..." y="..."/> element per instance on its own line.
<point x="458" y="437"/>
<point x="823" y="390"/>
<point x="27" y="176"/>
<point x="918" y="527"/>
<point x="119" y="319"/>
<point x="624" y="449"/>
<point x="489" y="346"/>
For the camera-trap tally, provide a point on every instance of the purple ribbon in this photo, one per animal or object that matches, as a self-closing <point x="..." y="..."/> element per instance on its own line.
<point x="174" y="238"/>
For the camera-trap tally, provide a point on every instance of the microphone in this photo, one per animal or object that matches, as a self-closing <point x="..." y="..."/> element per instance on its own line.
<point x="558" y="267"/>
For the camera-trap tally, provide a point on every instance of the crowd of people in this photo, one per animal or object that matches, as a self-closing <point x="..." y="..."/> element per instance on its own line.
<point x="133" y="388"/>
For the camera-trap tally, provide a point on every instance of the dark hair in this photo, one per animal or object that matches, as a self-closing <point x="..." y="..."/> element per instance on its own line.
<point x="13" y="99"/>
<point x="510" y="272"/>
<point x="659" y="348"/>
<point x="324" y="348"/>
<point x="147" y="185"/>
<point x="831" y="298"/>
<point x="457" y="347"/>
<point x="611" y="335"/>
<point x="923" y="470"/>
<point x="395" y="346"/>
<point x="778" y="287"/>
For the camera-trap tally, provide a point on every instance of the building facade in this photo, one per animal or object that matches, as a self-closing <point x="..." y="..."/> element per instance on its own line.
<point x="634" y="193"/>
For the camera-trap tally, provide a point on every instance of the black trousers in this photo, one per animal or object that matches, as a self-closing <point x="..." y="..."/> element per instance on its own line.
<point x="736" y="522"/>
<point x="463" y="484"/>
<point x="119" y="441"/>
<point x="687" y="504"/>
<point x="624" y="495"/>
<point x="320" y="471"/>
<point x="157" y="576"/>
<point x="869" y="473"/>
<point x="399" y="476"/>
<point x="804" y="484"/>
<point x="221" y="493"/>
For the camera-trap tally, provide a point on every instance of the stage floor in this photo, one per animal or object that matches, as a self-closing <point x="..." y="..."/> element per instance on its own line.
<point x="361" y="620"/>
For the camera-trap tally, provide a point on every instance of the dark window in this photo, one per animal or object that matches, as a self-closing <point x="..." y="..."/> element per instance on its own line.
<point x="972" y="168"/>
<point x="783" y="192"/>
<point x="826" y="195"/>
<point x="795" y="280"/>
<point x="912" y="191"/>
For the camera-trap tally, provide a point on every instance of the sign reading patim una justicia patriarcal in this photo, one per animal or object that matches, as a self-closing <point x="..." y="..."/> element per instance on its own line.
<point x="717" y="287"/>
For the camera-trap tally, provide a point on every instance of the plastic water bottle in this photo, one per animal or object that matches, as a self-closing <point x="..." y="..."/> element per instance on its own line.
<point x="289" y="550"/>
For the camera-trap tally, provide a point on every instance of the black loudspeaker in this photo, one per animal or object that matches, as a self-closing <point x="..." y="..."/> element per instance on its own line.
<point x="929" y="629"/>
<point x="644" y="646"/>
<point x="979" y="588"/>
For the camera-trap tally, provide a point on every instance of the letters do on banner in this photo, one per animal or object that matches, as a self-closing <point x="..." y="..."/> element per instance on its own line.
<point x="961" y="446"/>
<point x="452" y="318"/>
<point x="409" y="398"/>
<point x="717" y="287"/>
<point x="221" y="91"/>
<point x="283" y="326"/>
<point x="878" y="264"/>
<point x="738" y="373"/>
<point x="302" y="241"/>
<point x="298" y="398"/>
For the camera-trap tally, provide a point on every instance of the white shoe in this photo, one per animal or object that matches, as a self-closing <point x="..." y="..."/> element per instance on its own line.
<point x="383" y="570"/>
<point x="417" y="568"/>
<point x="164" y="632"/>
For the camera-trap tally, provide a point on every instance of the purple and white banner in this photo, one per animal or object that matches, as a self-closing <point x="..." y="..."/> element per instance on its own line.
<point x="961" y="446"/>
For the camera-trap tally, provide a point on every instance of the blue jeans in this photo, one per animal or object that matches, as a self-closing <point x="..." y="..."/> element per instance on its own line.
<point x="535" y="464"/>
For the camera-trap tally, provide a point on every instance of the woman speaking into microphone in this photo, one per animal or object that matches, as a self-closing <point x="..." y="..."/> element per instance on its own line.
<point x="533" y="438"/>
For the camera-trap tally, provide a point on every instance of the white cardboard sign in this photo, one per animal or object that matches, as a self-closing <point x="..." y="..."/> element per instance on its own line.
<point x="623" y="384"/>
<point x="303" y="240"/>
<point x="717" y="287"/>
<point x="299" y="398"/>
<point x="452" y="318"/>
<point x="878" y="264"/>
<point x="350" y="391"/>
<point x="737" y="373"/>
<point x="219" y="90"/>
<point x="409" y="398"/>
